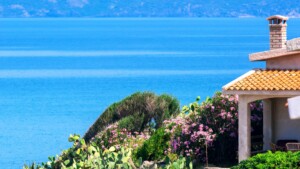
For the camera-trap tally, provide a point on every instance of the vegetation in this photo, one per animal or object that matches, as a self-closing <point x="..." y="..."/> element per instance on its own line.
<point x="154" y="148"/>
<point x="114" y="136"/>
<point x="145" y="129"/>
<point x="180" y="163"/>
<point x="144" y="108"/>
<point x="271" y="160"/>
<point x="88" y="157"/>
<point x="214" y="122"/>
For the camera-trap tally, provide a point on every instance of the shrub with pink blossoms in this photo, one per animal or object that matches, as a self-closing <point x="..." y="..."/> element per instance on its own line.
<point x="188" y="137"/>
<point x="114" y="136"/>
<point x="221" y="114"/>
<point x="215" y="122"/>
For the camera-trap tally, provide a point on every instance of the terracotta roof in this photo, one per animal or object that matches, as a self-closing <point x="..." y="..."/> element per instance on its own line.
<point x="267" y="80"/>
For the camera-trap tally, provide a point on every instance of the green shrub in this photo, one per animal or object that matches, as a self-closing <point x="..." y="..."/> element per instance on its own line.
<point x="271" y="160"/>
<point x="132" y="123"/>
<point x="154" y="148"/>
<point x="144" y="107"/>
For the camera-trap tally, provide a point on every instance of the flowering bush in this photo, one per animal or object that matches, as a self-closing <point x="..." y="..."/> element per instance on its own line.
<point x="221" y="114"/>
<point x="188" y="136"/>
<point x="213" y="122"/>
<point x="114" y="136"/>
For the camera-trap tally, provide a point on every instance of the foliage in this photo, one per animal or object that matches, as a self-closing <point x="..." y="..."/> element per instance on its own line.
<point x="271" y="160"/>
<point x="129" y="126"/>
<point x="154" y="148"/>
<point x="87" y="157"/>
<point x="221" y="114"/>
<point x="180" y="163"/>
<point x="143" y="107"/>
<point x="132" y="123"/>
<point x="256" y="125"/>
<point x="113" y="135"/>
<point x="213" y="122"/>
<point x="188" y="138"/>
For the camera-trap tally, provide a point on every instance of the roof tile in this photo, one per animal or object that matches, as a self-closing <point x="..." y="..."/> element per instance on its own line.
<point x="273" y="80"/>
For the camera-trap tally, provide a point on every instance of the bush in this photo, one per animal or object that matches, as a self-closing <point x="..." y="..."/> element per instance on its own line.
<point x="215" y="122"/>
<point x="220" y="113"/>
<point x="154" y="148"/>
<point x="144" y="107"/>
<point x="113" y="135"/>
<point x="132" y="123"/>
<point x="188" y="137"/>
<point x="271" y="160"/>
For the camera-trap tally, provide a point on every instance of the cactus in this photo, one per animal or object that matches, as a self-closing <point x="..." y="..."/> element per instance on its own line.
<point x="83" y="156"/>
<point x="180" y="163"/>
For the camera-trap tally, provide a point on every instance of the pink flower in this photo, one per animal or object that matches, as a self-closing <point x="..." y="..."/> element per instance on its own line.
<point x="201" y="127"/>
<point x="231" y="98"/>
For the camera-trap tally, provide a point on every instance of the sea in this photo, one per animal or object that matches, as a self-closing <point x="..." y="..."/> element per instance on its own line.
<point x="57" y="75"/>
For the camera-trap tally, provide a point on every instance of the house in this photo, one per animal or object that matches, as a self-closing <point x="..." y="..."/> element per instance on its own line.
<point x="273" y="85"/>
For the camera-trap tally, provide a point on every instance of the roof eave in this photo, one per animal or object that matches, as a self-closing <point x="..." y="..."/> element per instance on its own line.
<point x="265" y="55"/>
<point x="281" y="93"/>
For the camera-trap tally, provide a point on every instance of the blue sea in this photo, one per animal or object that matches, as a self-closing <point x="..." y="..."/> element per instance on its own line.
<point x="58" y="75"/>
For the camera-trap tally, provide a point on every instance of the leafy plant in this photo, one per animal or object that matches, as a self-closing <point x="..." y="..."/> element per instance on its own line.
<point x="180" y="163"/>
<point x="82" y="156"/>
<point x="132" y="123"/>
<point x="154" y="148"/>
<point x="271" y="160"/>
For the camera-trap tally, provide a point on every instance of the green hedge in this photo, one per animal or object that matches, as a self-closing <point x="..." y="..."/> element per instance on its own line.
<point x="271" y="160"/>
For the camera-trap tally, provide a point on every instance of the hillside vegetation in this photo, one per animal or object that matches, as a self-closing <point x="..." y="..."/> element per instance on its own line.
<point x="136" y="113"/>
<point x="147" y="131"/>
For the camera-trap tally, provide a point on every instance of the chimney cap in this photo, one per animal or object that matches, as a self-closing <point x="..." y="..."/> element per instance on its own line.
<point x="278" y="17"/>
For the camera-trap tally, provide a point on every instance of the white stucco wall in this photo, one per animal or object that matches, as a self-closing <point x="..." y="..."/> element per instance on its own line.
<point x="283" y="126"/>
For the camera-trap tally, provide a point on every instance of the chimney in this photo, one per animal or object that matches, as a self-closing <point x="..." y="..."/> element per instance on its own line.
<point x="277" y="24"/>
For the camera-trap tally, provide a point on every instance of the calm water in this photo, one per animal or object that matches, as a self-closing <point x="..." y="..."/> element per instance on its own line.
<point x="58" y="75"/>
